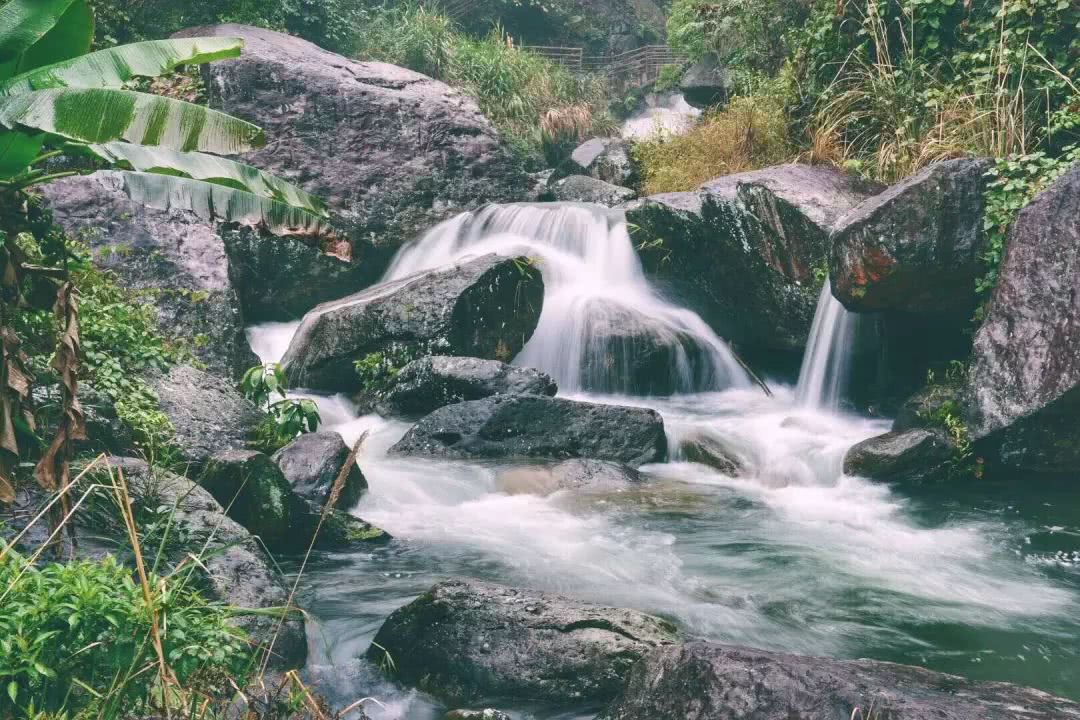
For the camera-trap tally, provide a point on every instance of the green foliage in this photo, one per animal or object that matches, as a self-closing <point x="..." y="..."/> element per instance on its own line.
<point x="947" y="415"/>
<point x="750" y="36"/>
<point x="75" y="637"/>
<point x="286" y="417"/>
<point x="377" y="370"/>
<point x="668" y="78"/>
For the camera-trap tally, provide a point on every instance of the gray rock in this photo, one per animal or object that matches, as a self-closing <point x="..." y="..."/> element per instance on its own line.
<point x="105" y="431"/>
<point x="707" y="449"/>
<point x="707" y="681"/>
<point x="605" y="159"/>
<point x="485" y="714"/>
<point x="464" y="640"/>
<point x="431" y="382"/>
<point x="208" y="413"/>
<point x="391" y="151"/>
<point x="747" y="251"/>
<point x="581" y="188"/>
<point x="707" y="83"/>
<point x="578" y="474"/>
<point x="238" y="572"/>
<point x="533" y="426"/>
<point x="908" y="456"/>
<point x="1024" y="381"/>
<point x="487" y="307"/>
<point x="172" y="259"/>
<point x="917" y="246"/>
<point x="311" y="464"/>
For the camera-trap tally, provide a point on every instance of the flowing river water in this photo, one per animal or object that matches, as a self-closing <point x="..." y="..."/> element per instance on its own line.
<point x="980" y="580"/>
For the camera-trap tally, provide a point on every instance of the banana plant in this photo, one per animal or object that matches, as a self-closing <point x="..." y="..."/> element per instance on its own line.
<point x="58" y="99"/>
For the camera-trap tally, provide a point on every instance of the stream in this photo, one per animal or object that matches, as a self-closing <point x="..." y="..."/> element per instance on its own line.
<point x="981" y="580"/>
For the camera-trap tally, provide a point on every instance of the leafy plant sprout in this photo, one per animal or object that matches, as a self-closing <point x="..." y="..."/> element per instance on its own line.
<point x="286" y="417"/>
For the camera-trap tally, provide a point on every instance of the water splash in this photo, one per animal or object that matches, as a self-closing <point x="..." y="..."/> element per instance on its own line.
<point x="824" y="371"/>
<point x="603" y="327"/>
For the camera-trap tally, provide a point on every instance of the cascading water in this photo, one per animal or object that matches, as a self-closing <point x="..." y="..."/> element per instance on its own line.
<point x="826" y="363"/>
<point x="603" y="328"/>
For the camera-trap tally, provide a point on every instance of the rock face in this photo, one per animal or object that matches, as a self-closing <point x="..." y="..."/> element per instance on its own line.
<point x="706" y="681"/>
<point x="1024" y="381"/>
<point x="173" y="259"/>
<point x="532" y="426"/>
<point x="746" y="250"/>
<point x="605" y="159"/>
<point x="707" y="83"/>
<point x="432" y="382"/>
<point x="208" y="413"/>
<point x="917" y="246"/>
<point x="465" y="640"/>
<point x="311" y="464"/>
<point x="580" y="474"/>
<point x="487" y="307"/>
<point x="905" y="456"/>
<point x="238" y="571"/>
<point x="391" y="151"/>
<point x="581" y="188"/>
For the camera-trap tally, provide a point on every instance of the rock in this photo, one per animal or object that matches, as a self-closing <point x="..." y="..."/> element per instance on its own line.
<point x="707" y="83"/>
<point x="532" y="426"/>
<point x="105" y="431"/>
<point x="487" y="307"/>
<point x="431" y="382"/>
<point x="1024" y="380"/>
<point x="539" y="190"/>
<point x="579" y="474"/>
<point x="907" y="456"/>
<point x="391" y="151"/>
<point x="311" y="464"/>
<point x="605" y="159"/>
<point x="707" y="681"/>
<point x="344" y="532"/>
<point x="465" y="640"/>
<point x="581" y="188"/>
<point x="707" y="449"/>
<point x="208" y="413"/>
<point x="485" y="714"/>
<point x="238" y="571"/>
<point x="748" y="251"/>
<point x="171" y="259"/>
<point x="917" y="246"/>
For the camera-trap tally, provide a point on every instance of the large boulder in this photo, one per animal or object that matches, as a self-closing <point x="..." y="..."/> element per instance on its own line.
<point x="171" y="259"/>
<point x="707" y="681"/>
<point x="429" y="383"/>
<point x="391" y="151"/>
<point x="901" y="456"/>
<point x="464" y="640"/>
<point x="916" y="247"/>
<point x="487" y="307"/>
<point x="748" y="251"/>
<point x="707" y="83"/>
<point x="311" y="464"/>
<point x="533" y="426"/>
<point x="238" y="571"/>
<point x="605" y="159"/>
<point x="584" y="189"/>
<point x="1024" y="381"/>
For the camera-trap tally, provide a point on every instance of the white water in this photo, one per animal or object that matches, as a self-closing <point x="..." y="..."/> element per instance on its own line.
<point x="664" y="115"/>
<point x="825" y="366"/>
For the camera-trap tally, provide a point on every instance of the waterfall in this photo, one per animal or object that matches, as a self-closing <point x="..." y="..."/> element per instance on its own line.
<point x="828" y="353"/>
<point x="603" y="327"/>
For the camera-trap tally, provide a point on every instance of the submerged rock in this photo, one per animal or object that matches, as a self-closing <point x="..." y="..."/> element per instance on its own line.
<point x="579" y="474"/>
<point x="311" y="464"/>
<point x="748" y="251"/>
<point x="707" y="449"/>
<point x="916" y="247"/>
<point x="906" y="456"/>
<point x="532" y="426"/>
<point x="432" y="382"/>
<point x="485" y="307"/>
<point x="391" y="151"/>
<point x="707" y="681"/>
<point x="579" y="188"/>
<point x="465" y="640"/>
<point x="1024" y="381"/>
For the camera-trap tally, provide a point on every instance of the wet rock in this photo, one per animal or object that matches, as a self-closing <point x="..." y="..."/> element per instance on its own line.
<point x="1024" y="381"/>
<point x="917" y="246"/>
<point x="486" y="307"/>
<point x="464" y="640"/>
<point x="238" y="572"/>
<point x="908" y="456"/>
<point x="707" y="681"/>
<point x="707" y="83"/>
<point x="532" y="426"/>
<point x="579" y="474"/>
<point x="748" y="251"/>
<point x="208" y="413"/>
<point x="604" y="159"/>
<point x="707" y="449"/>
<point x="171" y="259"/>
<point x="311" y="464"/>
<point x="580" y="188"/>
<point x="432" y="382"/>
<point x="391" y="151"/>
<point x="485" y="714"/>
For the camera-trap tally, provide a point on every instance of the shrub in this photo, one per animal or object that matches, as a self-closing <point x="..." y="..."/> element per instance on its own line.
<point x="286" y="417"/>
<point x="751" y="36"/>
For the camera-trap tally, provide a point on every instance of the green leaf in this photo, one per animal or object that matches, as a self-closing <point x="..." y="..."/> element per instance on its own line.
<point x="100" y="115"/>
<point x="115" y="66"/>
<point x="13" y="691"/>
<point x="214" y="202"/>
<point x="209" y="169"/>
<point x="70" y="37"/>
<point x="24" y="22"/>
<point x="17" y="150"/>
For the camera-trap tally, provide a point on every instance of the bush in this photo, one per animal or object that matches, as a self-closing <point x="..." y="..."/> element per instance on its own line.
<point x="748" y="36"/>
